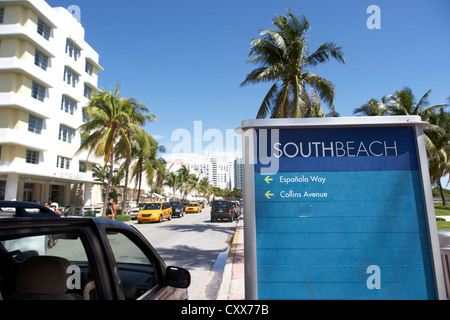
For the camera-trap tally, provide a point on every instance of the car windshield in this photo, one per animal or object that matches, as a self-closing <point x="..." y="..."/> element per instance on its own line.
<point x="152" y="206"/>
<point x="192" y="205"/>
<point x="175" y="203"/>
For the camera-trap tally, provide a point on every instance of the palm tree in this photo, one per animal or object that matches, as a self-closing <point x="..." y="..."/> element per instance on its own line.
<point x="203" y="186"/>
<point x="109" y="123"/>
<point x="146" y="150"/>
<point x="285" y="59"/>
<point x="183" y="176"/>
<point x="403" y="102"/>
<point x="140" y="140"/>
<point x="192" y="183"/>
<point x="172" y="180"/>
<point x="438" y="148"/>
<point x="373" y="108"/>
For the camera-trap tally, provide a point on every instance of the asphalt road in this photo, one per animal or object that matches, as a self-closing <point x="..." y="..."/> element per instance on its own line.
<point x="195" y="243"/>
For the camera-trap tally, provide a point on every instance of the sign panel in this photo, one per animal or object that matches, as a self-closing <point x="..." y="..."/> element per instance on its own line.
<point x="337" y="212"/>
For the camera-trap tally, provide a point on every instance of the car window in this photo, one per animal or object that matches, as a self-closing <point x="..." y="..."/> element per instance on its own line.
<point x="135" y="269"/>
<point x="28" y="249"/>
<point x="152" y="206"/>
<point x="221" y="204"/>
<point x="65" y="245"/>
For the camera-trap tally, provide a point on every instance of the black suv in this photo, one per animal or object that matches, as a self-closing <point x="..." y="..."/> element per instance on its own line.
<point x="177" y="208"/>
<point x="223" y="210"/>
<point x="46" y="256"/>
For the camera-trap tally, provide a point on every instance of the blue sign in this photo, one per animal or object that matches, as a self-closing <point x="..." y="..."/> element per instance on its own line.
<point x="339" y="214"/>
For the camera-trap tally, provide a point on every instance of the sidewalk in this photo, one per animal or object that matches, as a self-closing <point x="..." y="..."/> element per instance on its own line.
<point x="232" y="286"/>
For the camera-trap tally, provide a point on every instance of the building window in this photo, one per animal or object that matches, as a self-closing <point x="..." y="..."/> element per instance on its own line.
<point x="65" y="134"/>
<point x="72" y="50"/>
<point x="43" y="29"/>
<point x="2" y="190"/>
<point x="89" y="68"/>
<point x="34" y="124"/>
<point x="85" y="116"/>
<point x="41" y="60"/>
<point x="82" y="166"/>
<point x="68" y="105"/>
<point x="37" y="91"/>
<point x="32" y="157"/>
<point x="63" y="162"/>
<point x="87" y="91"/>
<point x="70" y="77"/>
<point x="2" y="14"/>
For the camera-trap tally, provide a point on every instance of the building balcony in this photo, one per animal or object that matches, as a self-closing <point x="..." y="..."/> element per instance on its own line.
<point x="43" y="173"/>
<point x="23" y="138"/>
<point x="29" y="69"/>
<point x="16" y="31"/>
<point x="27" y="103"/>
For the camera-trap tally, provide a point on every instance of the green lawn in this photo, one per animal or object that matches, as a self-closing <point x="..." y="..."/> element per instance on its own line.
<point x="440" y="210"/>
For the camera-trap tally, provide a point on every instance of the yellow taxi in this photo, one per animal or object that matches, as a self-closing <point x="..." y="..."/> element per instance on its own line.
<point x="193" y="207"/>
<point x="155" y="211"/>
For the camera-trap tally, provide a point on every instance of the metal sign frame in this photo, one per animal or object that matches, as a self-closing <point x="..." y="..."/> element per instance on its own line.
<point x="248" y="131"/>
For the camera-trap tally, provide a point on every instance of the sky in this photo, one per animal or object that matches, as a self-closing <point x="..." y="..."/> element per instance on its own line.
<point x="186" y="59"/>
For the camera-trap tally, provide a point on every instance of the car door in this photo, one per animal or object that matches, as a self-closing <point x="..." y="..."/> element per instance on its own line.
<point x="138" y="268"/>
<point x="166" y="210"/>
<point x="76" y="243"/>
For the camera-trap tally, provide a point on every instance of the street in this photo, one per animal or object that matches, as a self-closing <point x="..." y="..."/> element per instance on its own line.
<point x="195" y="243"/>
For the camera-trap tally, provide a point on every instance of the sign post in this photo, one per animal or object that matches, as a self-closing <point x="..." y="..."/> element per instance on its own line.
<point x="339" y="208"/>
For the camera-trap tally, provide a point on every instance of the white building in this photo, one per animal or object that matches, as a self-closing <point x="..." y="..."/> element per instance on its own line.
<point x="219" y="174"/>
<point x="238" y="174"/>
<point x="47" y="73"/>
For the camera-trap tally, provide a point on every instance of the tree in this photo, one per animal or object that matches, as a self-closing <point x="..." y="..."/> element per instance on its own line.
<point x="109" y="122"/>
<point x="438" y="148"/>
<point x="285" y="60"/>
<point x="172" y="180"/>
<point x="147" y="149"/>
<point x="403" y="102"/>
<point x="373" y="108"/>
<point x="139" y="140"/>
<point x="183" y="176"/>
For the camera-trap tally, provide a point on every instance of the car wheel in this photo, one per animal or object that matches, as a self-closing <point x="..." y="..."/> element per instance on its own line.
<point x="170" y="216"/>
<point x="160" y="218"/>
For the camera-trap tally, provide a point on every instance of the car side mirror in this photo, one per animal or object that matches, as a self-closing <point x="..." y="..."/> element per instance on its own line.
<point x="178" y="277"/>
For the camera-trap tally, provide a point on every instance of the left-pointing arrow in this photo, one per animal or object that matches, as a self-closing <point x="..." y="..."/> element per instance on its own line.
<point x="268" y="194"/>
<point x="268" y="179"/>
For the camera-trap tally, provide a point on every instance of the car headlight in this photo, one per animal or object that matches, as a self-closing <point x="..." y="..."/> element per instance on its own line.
<point x="155" y="215"/>
<point x="177" y="210"/>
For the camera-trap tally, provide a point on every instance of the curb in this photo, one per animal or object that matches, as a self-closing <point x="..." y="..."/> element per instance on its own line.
<point x="232" y="285"/>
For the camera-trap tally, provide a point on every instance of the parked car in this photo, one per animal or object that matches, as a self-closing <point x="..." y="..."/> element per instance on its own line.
<point x="155" y="211"/>
<point x="45" y="256"/>
<point x="135" y="211"/>
<point x="177" y="208"/>
<point x="193" y="207"/>
<point x="237" y="207"/>
<point x="223" y="210"/>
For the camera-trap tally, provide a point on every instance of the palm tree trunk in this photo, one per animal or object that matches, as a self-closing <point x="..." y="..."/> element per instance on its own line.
<point x="444" y="201"/>
<point x="139" y="185"/>
<point x="108" y="185"/>
<point x="125" y="191"/>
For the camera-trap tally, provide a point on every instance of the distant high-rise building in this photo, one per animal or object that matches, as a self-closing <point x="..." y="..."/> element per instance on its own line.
<point x="238" y="173"/>
<point x="47" y="74"/>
